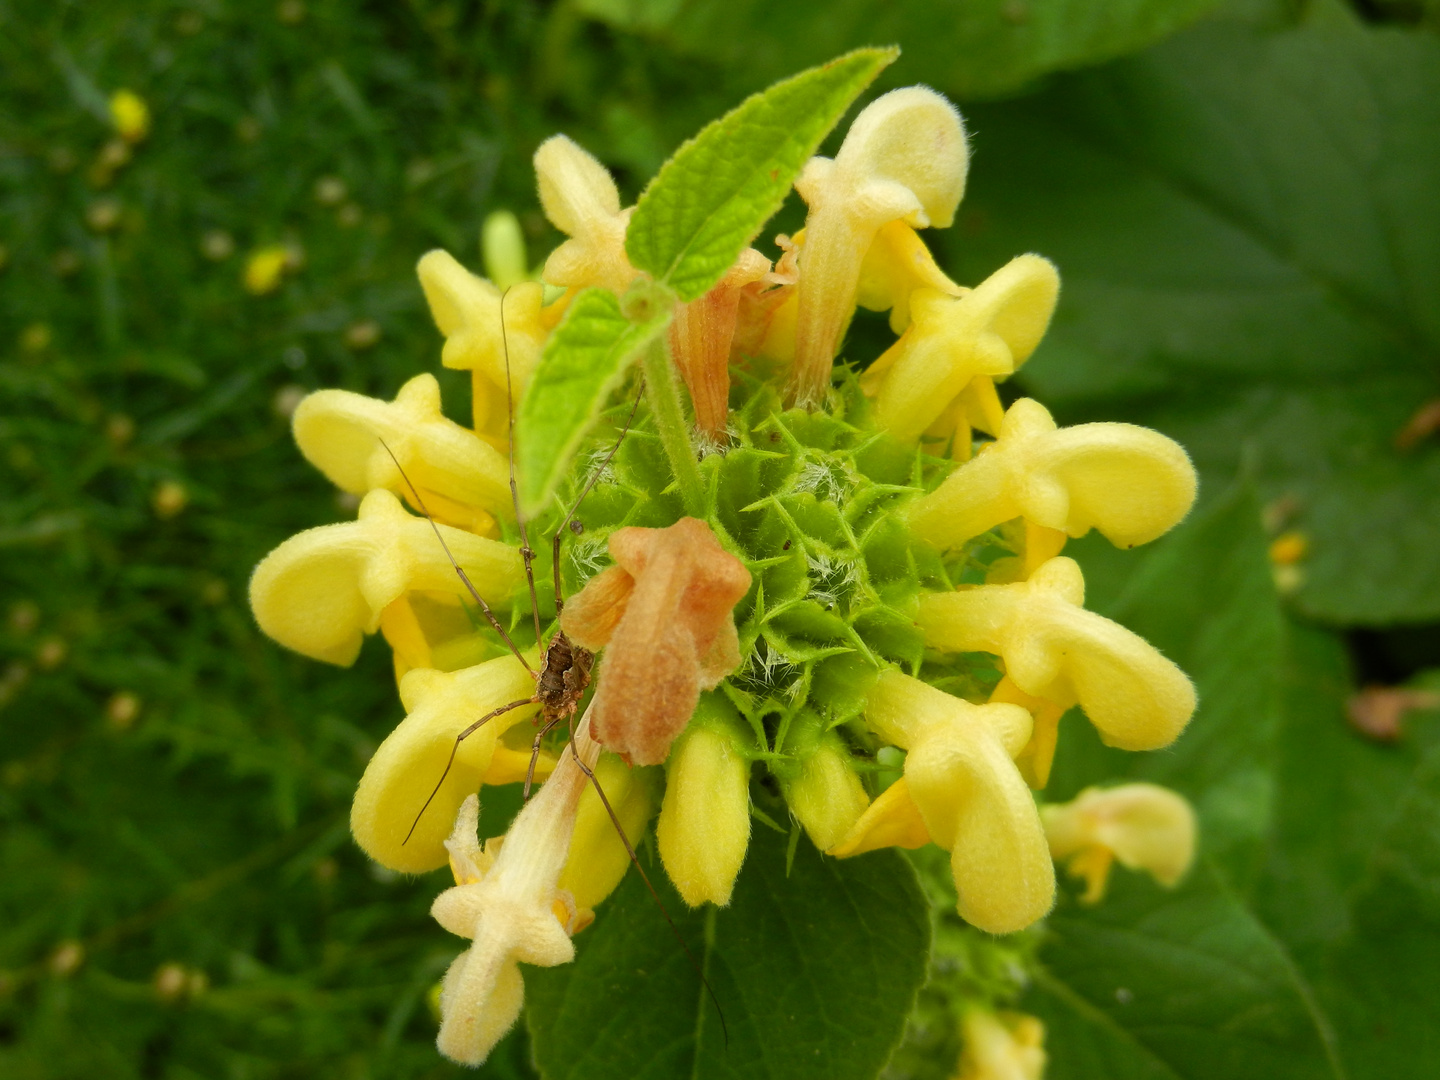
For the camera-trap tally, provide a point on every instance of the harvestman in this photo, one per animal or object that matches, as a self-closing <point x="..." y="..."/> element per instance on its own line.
<point x="565" y="667"/>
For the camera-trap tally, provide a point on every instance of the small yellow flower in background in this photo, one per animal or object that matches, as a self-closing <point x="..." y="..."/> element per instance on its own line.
<point x="1144" y="826"/>
<point x="169" y="499"/>
<point x="265" y="268"/>
<point x="1001" y="1046"/>
<point x="1287" y="554"/>
<point x="130" y="115"/>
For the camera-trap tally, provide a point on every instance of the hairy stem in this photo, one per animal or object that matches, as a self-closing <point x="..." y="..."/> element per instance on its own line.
<point x="674" y="430"/>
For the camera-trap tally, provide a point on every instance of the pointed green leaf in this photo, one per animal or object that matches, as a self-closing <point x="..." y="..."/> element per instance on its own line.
<point x="713" y="196"/>
<point x="584" y="361"/>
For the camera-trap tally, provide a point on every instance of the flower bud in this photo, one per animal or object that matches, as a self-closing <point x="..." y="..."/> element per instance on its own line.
<point x="598" y="855"/>
<point x="704" y="826"/>
<point x="822" y="789"/>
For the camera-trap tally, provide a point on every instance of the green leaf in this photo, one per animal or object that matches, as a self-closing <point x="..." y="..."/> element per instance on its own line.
<point x="1183" y="985"/>
<point x="713" y="196"/>
<point x="815" y="972"/>
<point x="1250" y="250"/>
<point x="585" y="360"/>
<point x="1203" y="596"/>
<point x="968" y="48"/>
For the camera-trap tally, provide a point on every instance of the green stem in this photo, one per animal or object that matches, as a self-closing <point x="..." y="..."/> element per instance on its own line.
<point x="674" y="430"/>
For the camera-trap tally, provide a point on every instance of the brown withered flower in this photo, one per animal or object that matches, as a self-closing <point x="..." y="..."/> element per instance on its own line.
<point x="665" y="613"/>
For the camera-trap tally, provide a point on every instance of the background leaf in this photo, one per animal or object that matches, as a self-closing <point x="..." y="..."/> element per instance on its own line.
<point x="585" y="360"/>
<point x="815" y="970"/>
<point x="969" y="48"/>
<point x="713" y="196"/>
<point x="1247" y="231"/>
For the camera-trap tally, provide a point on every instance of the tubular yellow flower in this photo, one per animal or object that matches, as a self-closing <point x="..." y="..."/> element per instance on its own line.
<point x="1001" y="1046"/>
<point x="962" y="778"/>
<point x="904" y="159"/>
<point x="467" y="310"/>
<point x="1144" y="826"/>
<point x="1131" y="483"/>
<point x="598" y="859"/>
<point x="411" y="760"/>
<point x="704" y="826"/>
<point x="897" y="264"/>
<point x="1054" y="649"/>
<point x="581" y="200"/>
<point x="824" y="793"/>
<point x="322" y="590"/>
<point x="509" y="911"/>
<point x="989" y="331"/>
<point x="130" y="115"/>
<point x="460" y="477"/>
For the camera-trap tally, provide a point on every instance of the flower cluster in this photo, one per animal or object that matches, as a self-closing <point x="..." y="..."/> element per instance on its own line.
<point x="875" y="574"/>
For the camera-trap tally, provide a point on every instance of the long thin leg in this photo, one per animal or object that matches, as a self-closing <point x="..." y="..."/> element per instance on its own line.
<point x="474" y="592"/>
<point x="526" y="551"/>
<point x="535" y="753"/>
<point x="453" y="751"/>
<point x="594" y="476"/>
<point x="635" y="862"/>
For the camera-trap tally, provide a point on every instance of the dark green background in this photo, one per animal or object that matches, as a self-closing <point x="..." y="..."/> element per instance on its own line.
<point x="1244" y="202"/>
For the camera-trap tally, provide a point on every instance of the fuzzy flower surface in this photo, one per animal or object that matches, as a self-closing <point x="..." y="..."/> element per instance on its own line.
<point x="771" y="563"/>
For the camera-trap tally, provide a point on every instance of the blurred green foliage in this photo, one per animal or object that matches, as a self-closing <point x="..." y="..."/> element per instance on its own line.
<point x="1246" y="218"/>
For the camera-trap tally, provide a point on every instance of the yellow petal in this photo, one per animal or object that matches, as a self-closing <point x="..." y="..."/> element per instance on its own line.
<point x="410" y="762"/>
<point x="704" y="827"/>
<point x="581" y="200"/>
<point x="1054" y="649"/>
<point x="362" y="443"/>
<point x="1131" y="483"/>
<point x="904" y="159"/>
<point x="989" y="331"/>
<point x="322" y="590"/>
<point x="598" y="857"/>
<point x="1146" y="827"/>
<point x="961" y="776"/>
<point x="1001" y="1046"/>
<point x="826" y="796"/>
<point x="892" y="820"/>
<point x="897" y="264"/>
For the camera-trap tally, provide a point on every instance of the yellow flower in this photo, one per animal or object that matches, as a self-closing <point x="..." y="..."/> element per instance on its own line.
<point x="598" y="858"/>
<point x="1144" y="826"/>
<point x="265" y="268"/>
<point x="704" y="826"/>
<point x="405" y="769"/>
<point x="824" y="792"/>
<point x="322" y="590"/>
<point x="961" y="778"/>
<point x="505" y="903"/>
<point x="904" y="159"/>
<point x="581" y="200"/>
<point x="952" y="340"/>
<point x="1131" y="483"/>
<point x="467" y="310"/>
<point x="1054" y="649"/>
<point x="346" y="437"/>
<point x="1001" y="1046"/>
<point x="897" y="264"/>
<point x="130" y="115"/>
